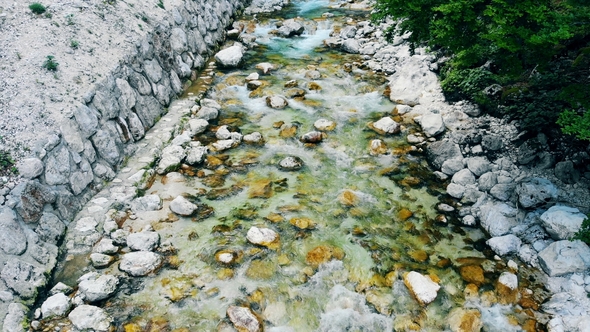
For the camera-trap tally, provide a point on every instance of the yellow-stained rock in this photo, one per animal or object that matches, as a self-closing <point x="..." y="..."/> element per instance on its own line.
<point x="377" y="147"/>
<point x="472" y="274"/>
<point x="288" y="131"/>
<point x="471" y="291"/>
<point x="261" y="270"/>
<point x="274" y="217"/>
<point x="348" y="198"/>
<point x="322" y="254"/>
<point x="419" y="255"/>
<point x="260" y="189"/>
<point x="132" y="327"/>
<point x="302" y="223"/>
<point x="465" y="320"/>
<point x="225" y="274"/>
<point x="404" y="214"/>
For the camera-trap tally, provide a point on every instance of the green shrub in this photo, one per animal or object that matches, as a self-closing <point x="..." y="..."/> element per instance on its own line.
<point x="583" y="234"/>
<point x="74" y="43"/>
<point x="6" y="161"/>
<point x="161" y="4"/>
<point x="573" y="123"/>
<point x="50" y="63"/>
<point x="37" y="8"/>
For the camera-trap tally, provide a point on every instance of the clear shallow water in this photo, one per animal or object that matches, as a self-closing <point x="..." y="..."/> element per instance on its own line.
<point x="376" y="213"/>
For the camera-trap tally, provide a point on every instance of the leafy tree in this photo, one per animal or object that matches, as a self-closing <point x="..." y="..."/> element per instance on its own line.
<point x="519" y="44"/>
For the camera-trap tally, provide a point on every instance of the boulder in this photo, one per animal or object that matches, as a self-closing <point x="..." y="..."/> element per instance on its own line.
<point x="56" y="305"/>
<point x="23" y="278"/>
<point x="504" y="245"/>
<point x="105" y="246"/>
<point x="140" y="263"/>
<point x="324" y="125"/>
<point x="312" y="137"/>
<point x="441" y="151"/>
<point x="291" y="163"/>
<point x="421" y="287"/>
<point x="197" y="126"/>
<point x="385" y="126"/>
<point x="564" y="257"/>
<point x="452" y="166"/>
<point x="455" y="190"/>
<point x="497" y="218"/>
<point x="146" y="203"/>
<point x="290" y="28"/>
<point x="432" y="124"/>
<point x="13" y="240"/>
<point x="16" y="318"/>
<point x="502" y="191"/>
<point x="88" y="317"/>
<point x="265" y="237"/>
<point x="196" y="153"/>
<point x="244" y="319"/>
<point x="171" y="158"/>
<point x="207" y="113"/>
<point x="535" y="192"/>
<point x="94" y="287"/>
<point x="253" y="138"/>
<point x="479" y="165"/>
<point x="182" y="206"/>
<point x="31" y="198"/>
<point x="487" y="181"/>
<point x="465" y="320"/>
<point x="30" y="168"/>
<point x="230" y="57"/>
<point x="463" y="177"/>
<point x="143" y="241"/>
<point x="562" y="222"/>
<point x="350" y="46"/>
<point x="566" y="172"/>
<point x="101" y="260"/>
<point x="276" y="102"/>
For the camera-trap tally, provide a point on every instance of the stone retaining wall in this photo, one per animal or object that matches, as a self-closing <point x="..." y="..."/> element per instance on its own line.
<point x="72" y="165"/>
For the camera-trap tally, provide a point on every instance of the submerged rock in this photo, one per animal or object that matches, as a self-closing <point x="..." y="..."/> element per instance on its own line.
<point x="244" y="319"/>
<point x="265" y="67"/>
<point x="421" y="287"/>
<point x="323" y="254"/>
<point x="324" y="125"/>
<point x="140" y="263"/>
<point x="465" y="320"/>
<point x="377" y="147"/>
<point x="88" y="317"/>
<point x="253" y="138"/>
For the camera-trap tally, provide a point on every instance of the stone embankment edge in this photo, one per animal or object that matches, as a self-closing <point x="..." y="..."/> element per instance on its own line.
<point x="72" y="165"/>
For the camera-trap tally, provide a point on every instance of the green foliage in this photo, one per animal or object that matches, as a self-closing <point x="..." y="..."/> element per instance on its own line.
<point x="74" y="44"/>
<point x="37" y="8"/>
<point x="573" y="123"/>
<point x="6" y="162"/>
<point x="583" y="234"/>
<point x="70" y="19"/>
<point x="50" y="63"/>
<point x="537" y="51"/>
<point x="161" y="4"/>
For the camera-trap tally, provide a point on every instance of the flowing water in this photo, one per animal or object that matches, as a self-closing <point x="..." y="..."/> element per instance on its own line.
<point x="371" y="217"/>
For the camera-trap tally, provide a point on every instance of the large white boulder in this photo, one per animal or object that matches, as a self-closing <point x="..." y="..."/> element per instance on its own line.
<point x="56" y="305"/>
<point x="562" y="222"/>
<point x="230" y="57"/>
<point x="563" y="257"/>
<point x="94" y="287"/>
<point x="432" y="124"/>
<point x="504" y="245"/>
<point x="182" y="206"/>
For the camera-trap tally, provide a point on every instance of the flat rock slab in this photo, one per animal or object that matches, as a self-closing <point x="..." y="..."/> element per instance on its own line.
<point x="562" y="222"/>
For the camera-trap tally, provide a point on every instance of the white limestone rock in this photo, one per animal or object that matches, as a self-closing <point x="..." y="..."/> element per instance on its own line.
<point x="253" y="138"/>
<point x="143" y="241"/>
<point x="385" y="125"/>
<point x="230" y="57"/>
<point x="171" y="158"/>
<point x="140" y="263"/>
<point x="94" y="287"/>
<point x="88" y="317"/>
<point x="562" y="222"/>
<point x="564" y="257"/>
<point x="196" y="153"/>
<point x="197" y="126"/>
<point x="30" y="168"/>
<point x="432" y="124"/>
<point x="421" y="287"/>
<point x="146" y="203"/>
<point x="262" y="236"/>
<point x="504" y="245"/>
<point x="182" y="206"/>
<point x="243" y="319"/>
<point x="324" y="125"/>
<point x="56" y="305"/>
<point x="276" y="102"/>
